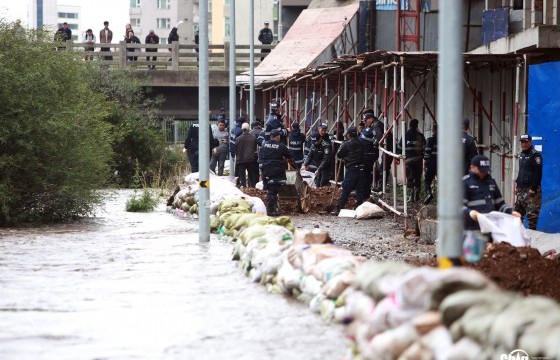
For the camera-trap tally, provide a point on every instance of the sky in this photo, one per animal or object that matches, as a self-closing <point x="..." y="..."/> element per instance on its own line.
<point x="94" y="12"/>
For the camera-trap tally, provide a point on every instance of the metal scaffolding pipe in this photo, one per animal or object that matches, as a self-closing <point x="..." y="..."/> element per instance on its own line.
<point x="385" y="158"/>
<point x="403" y="144"/>
<point x="252" y="61"/>
<point x="395" y="135"/>
<point x="515" y="132"/>
<point x="232" y="60"/>
<point x="450" y="108"/>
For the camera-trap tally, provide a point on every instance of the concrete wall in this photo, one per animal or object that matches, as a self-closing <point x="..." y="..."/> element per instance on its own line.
<point x="148" y="13"/>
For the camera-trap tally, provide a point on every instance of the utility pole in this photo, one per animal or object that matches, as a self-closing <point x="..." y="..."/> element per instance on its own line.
<point x="204" y="129"/>
<point x="232" y="73"/>
<point x="450" y="111"/>
<point x="280" y="29"/>
<point x="252" y="61"/>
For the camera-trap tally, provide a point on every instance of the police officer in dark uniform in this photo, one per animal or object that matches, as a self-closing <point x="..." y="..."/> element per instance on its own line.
<point x="352" y="152"/>
<point x="481" y="193"/>
<point x="272" y="158"/>
<point x="430" y="164"/>
<point x="528" y="181"/>
<point x="235" y="132"/>
<point x="256" y="130"/>
<point x="469" y="146"/>
<point x="274" y="122"/>
<point x="370" y="143"/>
<point x="296" y="141"/>
<point x="191" y="145"/>
<point x="320" y="157"/>
<point x="414" y="152"/>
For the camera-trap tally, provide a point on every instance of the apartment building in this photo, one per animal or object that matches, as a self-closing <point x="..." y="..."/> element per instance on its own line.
<point x="161" y="16"/>
<point x="42" y="13"/>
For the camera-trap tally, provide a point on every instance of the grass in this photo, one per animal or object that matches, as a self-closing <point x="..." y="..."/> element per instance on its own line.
<point x="146" y="202"/>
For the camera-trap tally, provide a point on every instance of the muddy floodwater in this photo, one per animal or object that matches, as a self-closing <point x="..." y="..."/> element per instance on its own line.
<point x="140" y="286"/>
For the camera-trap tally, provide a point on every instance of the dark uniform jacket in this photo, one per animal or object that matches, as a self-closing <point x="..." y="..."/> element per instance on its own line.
<point x="296" y="141"/>
<point x="414" y="145"/>
<point x="370" y="143"/>
<point x="320" y="155"/>
<point x="265" y="36"/>
<point x="430" y="153"/>
<point x="245" y="148"/>
<point x="352" y="153"/>
<point x="235" y="132"/>
<point x="272" y="159"/>
<point x="469" y="151"/>
<point x="530" y="170"/>
<point x="191" y="142"/>
<point x="482" y="195"/>
<point x="274" y="122"/>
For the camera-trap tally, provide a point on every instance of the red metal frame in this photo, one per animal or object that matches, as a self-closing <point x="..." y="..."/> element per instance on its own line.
<point x="408" y="26"/>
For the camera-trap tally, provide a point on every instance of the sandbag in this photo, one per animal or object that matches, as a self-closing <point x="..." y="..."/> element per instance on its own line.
<point x="368" y="210"/>
<point x="369" y="274"/>
<point x="504" y="227"/>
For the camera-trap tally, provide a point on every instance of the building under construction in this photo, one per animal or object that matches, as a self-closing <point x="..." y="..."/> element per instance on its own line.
<point x="341" y="57"/>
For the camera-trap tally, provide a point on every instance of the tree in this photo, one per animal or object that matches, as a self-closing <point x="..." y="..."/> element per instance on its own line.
<point x="55" y="145"/>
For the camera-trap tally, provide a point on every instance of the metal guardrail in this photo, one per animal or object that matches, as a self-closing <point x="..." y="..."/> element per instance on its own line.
<point x="167" y="57"/>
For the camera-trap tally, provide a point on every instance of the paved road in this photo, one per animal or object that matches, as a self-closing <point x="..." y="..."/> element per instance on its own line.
<point x="140" y="286"/>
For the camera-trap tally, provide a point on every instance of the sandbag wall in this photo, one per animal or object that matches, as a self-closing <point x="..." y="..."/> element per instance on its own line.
<point x="391" y="310"/>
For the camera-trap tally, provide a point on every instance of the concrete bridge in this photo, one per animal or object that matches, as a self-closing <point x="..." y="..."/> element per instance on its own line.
<point x="172" y="71"/>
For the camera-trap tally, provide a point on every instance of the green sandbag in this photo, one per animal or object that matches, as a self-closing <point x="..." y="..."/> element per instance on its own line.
<point x="243" y="220"/>
<point x="194" y="209"/>
<point x="214" y="223"/>
<point x="286" y="222"/>
<point x="186" y="207"/>
<point x="251" y="233"/>
<point x="230" y="204"/>
<point x="232" y="220"/>
<point x="190" y="200"/>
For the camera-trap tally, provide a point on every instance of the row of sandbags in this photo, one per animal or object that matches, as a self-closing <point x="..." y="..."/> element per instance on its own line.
<point x="393" y="310"/>
<point x="185" y="201"/>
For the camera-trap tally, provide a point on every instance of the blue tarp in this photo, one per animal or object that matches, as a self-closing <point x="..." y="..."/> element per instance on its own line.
<point x="495" y="24"/>
<point x="544" y="123"/>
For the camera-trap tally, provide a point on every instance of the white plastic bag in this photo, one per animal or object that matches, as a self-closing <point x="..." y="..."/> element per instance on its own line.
<point x="504" y="227"/>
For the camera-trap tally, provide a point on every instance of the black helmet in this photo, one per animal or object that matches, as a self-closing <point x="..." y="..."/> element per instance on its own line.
<point x="274" y="106"/>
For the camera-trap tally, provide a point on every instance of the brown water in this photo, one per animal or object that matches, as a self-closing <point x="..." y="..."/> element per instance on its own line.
<point x="140" y="286"/>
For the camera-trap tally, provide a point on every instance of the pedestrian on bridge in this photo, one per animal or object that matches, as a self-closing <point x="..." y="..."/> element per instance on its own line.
<point x="266" y="38"/>
<point x="106" y="37"/>
<point x="89" y="39"/>
<point x="151" y="39"/>
<point x="132" y="39"/>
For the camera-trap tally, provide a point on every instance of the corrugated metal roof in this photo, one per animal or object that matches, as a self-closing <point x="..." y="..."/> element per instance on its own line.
<point x="313" y="33"/>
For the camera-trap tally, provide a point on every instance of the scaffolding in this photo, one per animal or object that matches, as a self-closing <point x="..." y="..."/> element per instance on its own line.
<point x="400" y="86"/>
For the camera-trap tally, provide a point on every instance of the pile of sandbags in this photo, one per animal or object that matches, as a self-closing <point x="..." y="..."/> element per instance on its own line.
<point x="394" y="311"/>
<point x="185" y="202"/>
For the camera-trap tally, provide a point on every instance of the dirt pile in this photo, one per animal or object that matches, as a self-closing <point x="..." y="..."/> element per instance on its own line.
<point x="322" y="200"/>
<point x="519" y="269"/>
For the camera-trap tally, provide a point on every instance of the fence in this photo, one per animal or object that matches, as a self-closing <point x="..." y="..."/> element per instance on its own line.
<point x="168" y="57"/>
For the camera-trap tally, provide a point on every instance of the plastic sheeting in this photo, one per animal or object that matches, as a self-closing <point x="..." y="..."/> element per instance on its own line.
<point x="544" y="127"/>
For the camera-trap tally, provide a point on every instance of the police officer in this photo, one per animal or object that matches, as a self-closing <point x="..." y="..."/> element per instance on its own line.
<point x="191" y="145"/>
<point x="320" y="157"/>
<point x="370" y="143"/>
<point x="481" y="193"/>
<point x="274" y="122"/>
<point x="272" y="158"/>
<point x="469" y="146"/>
<point x="296" y="141"/>
<point x="256" y="130"/>
<point x="352" y="152"/>
<point x="414" y="152"/>
<point x="430" y="164"/>
<point x="528" y="181"/>
<point x="235" y="132"/>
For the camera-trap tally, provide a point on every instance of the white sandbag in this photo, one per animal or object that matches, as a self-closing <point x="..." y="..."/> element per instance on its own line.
<point x="258" y="206"/>
<point x="369" y="274"/>
<point x="368" y="210"/>
<point x="259" y="186"/>
<point x="391" y="344"/>
<point x="464" y="349"/>
<point x="289" y="277"/>
<point x="504" y="227"/>
<point x="310" y="285"/>
<point x="335" y="286"/>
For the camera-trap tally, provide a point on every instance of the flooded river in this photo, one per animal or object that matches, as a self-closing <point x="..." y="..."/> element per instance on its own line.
<point x="140" y="286"/>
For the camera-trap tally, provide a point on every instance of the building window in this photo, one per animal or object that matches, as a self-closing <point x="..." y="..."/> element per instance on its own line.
<point x="226" y="28"/>
<point x="163" y="41"/>
<point x="134" y="3"/>
<point x="135" y="22"/>
<point x="164" y="4"/>
<point x="64" y="15"/>
<point x="164" y="23"/>
<point x="70" y="26"/>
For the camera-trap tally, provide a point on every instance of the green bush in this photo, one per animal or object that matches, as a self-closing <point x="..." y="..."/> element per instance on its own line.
<point x="144" y="203"/>
<point x="55" y="146"/>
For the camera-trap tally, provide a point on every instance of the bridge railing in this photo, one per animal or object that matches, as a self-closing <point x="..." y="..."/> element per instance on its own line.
<point x="167" y="57"/>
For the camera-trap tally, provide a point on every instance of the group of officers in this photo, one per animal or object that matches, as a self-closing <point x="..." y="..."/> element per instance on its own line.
<point x="276" y="149"/>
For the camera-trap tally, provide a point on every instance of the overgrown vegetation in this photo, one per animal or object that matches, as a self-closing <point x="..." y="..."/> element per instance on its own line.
<point x="69" y="128"/>
<point x="144" y="203"/>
